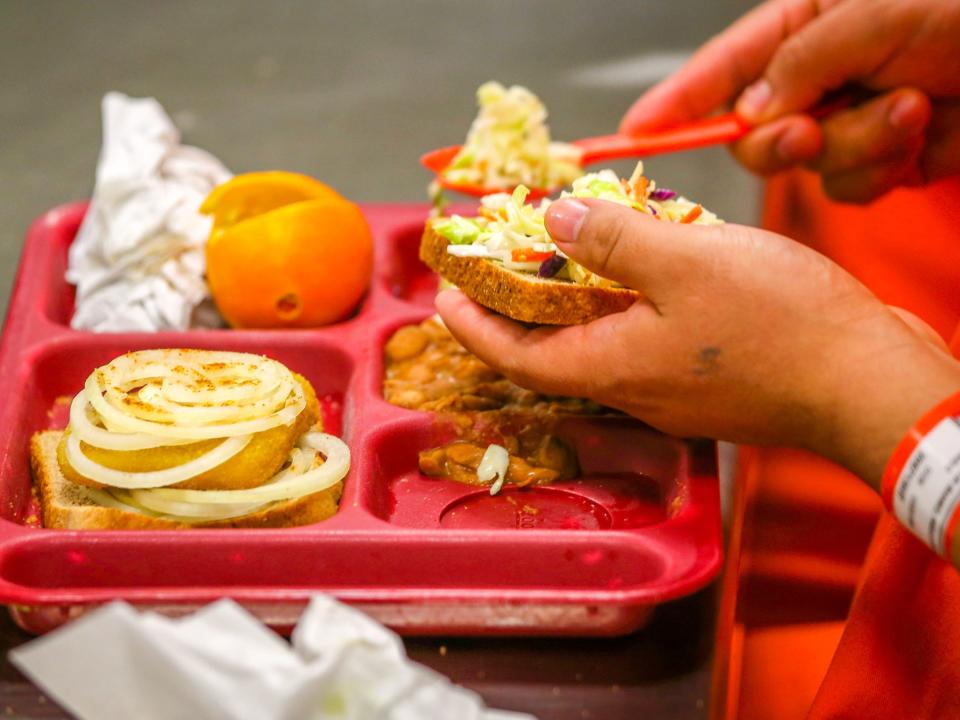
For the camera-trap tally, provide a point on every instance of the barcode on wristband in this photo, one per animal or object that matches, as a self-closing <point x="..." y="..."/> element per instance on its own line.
<point x="927" y="492"/>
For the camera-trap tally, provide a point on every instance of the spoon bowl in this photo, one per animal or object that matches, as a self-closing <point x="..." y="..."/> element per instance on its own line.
<point x="436" y="161"/>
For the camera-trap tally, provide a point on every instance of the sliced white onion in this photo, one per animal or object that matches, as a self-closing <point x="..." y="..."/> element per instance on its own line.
<point x="240" y="390"/>
<point x="107" y="499"/>
<point x="114" y="418"/>
<point x="186" y="511"/>
<point x="131" y="369"/>
<point x="493" y="467"/>
<point x="121" y="500"/>
<point x="194" y="415"/>
<point x="191" y="387"/>
<point x="82" y="426"/>
<point x="300" y="461"/>
<point x="154" y="478"/>
<point x="332" y="471"/>
<point x="468" y="250"/>
<point x="157" y="398"/>
<point x="521" y="266"/>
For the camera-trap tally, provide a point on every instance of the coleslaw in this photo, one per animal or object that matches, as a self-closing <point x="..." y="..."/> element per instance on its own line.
<point x="510" y="232"/>
<point x="509" y="144"/>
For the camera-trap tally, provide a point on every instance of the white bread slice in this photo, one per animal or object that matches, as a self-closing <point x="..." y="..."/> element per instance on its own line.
<point x="522" y="296"/>
<point x="67" y="505"/>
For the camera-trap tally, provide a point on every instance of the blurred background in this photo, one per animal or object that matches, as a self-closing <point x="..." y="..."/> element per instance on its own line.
<point x="351" y="92"/>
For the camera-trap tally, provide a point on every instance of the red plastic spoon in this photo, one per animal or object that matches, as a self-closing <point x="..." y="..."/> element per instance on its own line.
<point x="717" y="130"/>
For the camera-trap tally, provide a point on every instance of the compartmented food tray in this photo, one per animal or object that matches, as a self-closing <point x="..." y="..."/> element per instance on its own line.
<point x="591" y="556"/>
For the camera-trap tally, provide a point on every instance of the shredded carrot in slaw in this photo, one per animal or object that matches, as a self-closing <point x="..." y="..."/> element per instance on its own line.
<point x="640" y="186"/>
<point x="692" y="215"/>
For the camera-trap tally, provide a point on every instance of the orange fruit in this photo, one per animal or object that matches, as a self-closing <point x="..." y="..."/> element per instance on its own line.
<point x="285" y="251"/>
<point x="251" y="194"/>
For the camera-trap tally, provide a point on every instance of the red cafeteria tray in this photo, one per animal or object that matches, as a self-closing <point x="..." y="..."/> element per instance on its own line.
<point x="593" y="556"/>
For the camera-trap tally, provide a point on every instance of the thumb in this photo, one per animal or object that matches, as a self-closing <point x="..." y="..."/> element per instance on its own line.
<point x="623" y="244"/>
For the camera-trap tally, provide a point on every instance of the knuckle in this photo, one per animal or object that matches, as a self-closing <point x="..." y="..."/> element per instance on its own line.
<point x="792" y="56"/>
<point x="758" y="156"/>
<point x="839" y="154"/>
<point x="863" y="137"/>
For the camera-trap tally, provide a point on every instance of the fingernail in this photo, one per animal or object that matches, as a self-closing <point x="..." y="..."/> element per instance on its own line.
<point x="754" y="100"/>
<point x="564" y="218"/>
<point x="907" y="114"/>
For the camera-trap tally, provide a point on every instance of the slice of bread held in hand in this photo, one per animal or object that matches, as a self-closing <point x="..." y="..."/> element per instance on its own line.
<point x="504" y="258"/>
<point x="522" y="296"/>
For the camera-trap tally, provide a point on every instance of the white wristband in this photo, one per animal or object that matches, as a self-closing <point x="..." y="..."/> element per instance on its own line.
<point x="927" y="491"/>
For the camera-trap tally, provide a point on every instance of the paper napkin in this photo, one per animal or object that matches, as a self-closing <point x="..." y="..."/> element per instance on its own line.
<point x="138" y="258"/>
<point x="221" y="663"/>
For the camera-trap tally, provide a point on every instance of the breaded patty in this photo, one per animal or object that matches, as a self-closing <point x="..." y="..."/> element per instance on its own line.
<point x="255" y="464"/>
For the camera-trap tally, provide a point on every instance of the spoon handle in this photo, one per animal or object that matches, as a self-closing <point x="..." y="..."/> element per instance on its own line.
<point x="717" y="130"/>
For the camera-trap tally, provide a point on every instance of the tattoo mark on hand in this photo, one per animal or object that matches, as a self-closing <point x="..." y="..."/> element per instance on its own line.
<point x="708" y="361"/>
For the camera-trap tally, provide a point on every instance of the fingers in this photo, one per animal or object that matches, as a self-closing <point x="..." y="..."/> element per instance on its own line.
<point x="626" y="246"/>
<point x="875" y="148"/>
<point x="883" y="129"/>
<point x="555" y="360"/>
<point x="716" y="74"/>
<point x="862" y="152"/>
<point x="780" y="144"/>
<point x="831" y="50"/>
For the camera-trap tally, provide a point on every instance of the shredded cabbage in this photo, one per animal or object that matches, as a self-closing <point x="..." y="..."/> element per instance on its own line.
<point x="458" y="230"/>
<point x="509" y="144"/>
<point x="507" y="225"/>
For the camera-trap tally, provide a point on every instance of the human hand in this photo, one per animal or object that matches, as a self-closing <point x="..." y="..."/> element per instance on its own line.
<point x="780" y="59"/>
<point x="745" y="336"/>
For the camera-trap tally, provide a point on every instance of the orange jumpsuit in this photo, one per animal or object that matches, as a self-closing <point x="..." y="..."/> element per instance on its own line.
<point x="807" y="525"/>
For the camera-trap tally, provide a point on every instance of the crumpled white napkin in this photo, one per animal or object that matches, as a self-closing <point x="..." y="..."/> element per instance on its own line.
<point x="221" y="663"/>
<point x="138" y="258"/>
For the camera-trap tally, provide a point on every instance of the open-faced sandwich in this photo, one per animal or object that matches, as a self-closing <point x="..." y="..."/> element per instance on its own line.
<point x="189" y="438"/>
<point x="505" y="260"/>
